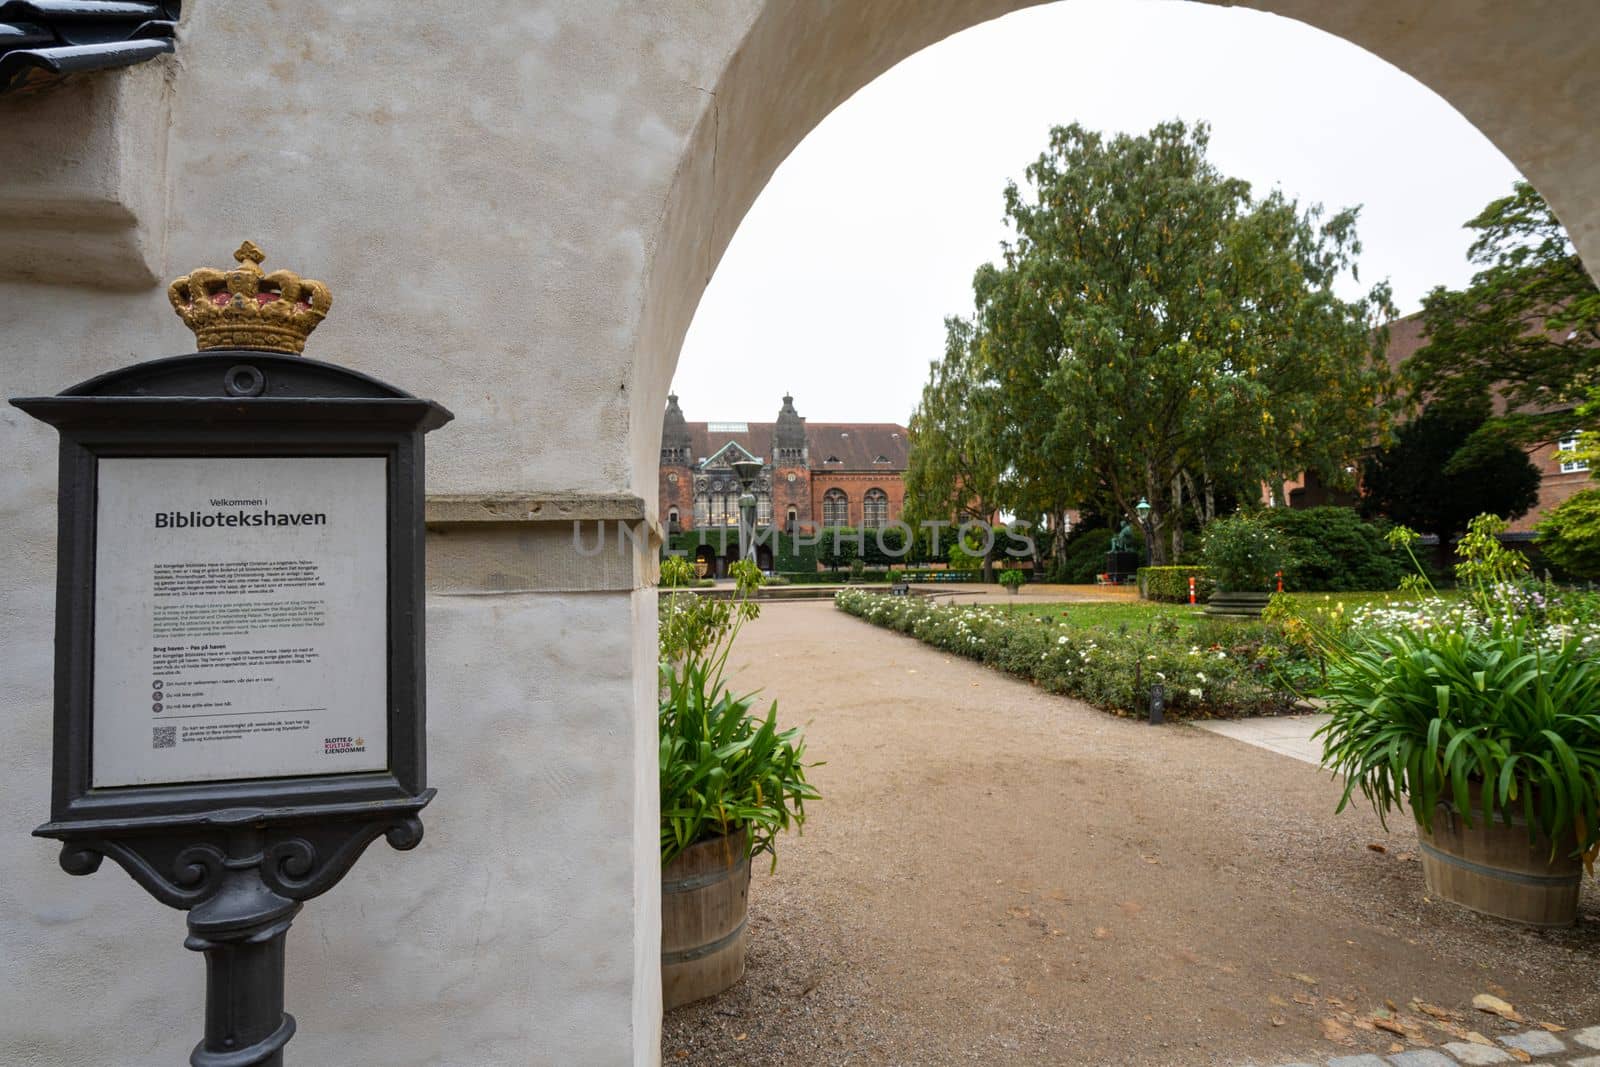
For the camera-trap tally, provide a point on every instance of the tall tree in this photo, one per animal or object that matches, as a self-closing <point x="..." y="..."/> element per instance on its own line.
<point x="953" y="471"/>
<point x="1155" y="332"/>
<point x="1412" y="481"/>
<point x="1525" y="334"/>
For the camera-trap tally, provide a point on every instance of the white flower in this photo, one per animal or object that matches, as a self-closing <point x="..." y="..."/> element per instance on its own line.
<point x="1195" y="693"/>
<point x="1200" y="676"/>
<point x="1061" y="640"/>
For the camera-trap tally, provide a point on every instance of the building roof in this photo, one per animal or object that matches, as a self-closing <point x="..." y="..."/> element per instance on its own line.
<point x="857" y="446"/>
<point x="44" y="40"/>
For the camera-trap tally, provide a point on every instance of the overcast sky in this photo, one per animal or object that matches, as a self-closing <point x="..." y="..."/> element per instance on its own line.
<point x="837" y="283"/>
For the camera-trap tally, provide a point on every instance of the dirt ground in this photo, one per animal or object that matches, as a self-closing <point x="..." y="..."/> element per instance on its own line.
<point x="998" y="875"/>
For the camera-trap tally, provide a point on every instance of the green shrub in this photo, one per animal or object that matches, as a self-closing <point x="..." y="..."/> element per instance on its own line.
<point x="1013" y="578"/>
<point x="1570" y="535"/>
<point x="1242" y="553"/>
<point x="1332" y="550"/>
<point x="1113" y="668"/>
<point x="1171" y="584"/>
<point x="1083" y="558"/>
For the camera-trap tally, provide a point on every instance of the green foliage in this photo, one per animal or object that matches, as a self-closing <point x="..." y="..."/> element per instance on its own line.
<point x="788" y="555"/>
<point x="1526" y="331"/>
<point x="1013" y="578"/>
<point x="962" y="560"/>
<point x="1243" y="554"/>
<point x="1330" y="549"/>
<point x="1110" y="667"/>
<point x="953" y="469"/>
<point x="1155" y="331"/>
<point x="722" y="768"/>
<point x="1084" y="558"/>
<point x="1486" y="564"/>
<point x="1570" y="535"/>
<point x="1424" y="716"/>
<point x="1491" y="707"/>
<point x="1428" y="479"/>
<point x="839" y="546"/>
<point x="691" y="625"/>
<point x="1171" y="584"/>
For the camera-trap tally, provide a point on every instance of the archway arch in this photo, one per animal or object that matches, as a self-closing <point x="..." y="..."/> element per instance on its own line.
<point x="798" y="62"/>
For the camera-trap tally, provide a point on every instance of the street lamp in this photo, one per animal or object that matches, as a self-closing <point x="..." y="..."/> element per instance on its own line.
<point x="747" y="470"/>
<point x="1143" y="510"/>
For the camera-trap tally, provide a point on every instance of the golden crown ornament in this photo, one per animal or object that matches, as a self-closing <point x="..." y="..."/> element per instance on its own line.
<point x="244" y="308"/>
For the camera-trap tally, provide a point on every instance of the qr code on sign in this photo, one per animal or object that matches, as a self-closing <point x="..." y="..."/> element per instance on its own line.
<point x="164" y="737"/>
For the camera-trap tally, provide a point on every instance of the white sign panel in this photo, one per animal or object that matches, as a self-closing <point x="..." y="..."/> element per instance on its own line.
<point x="240" y="618"/>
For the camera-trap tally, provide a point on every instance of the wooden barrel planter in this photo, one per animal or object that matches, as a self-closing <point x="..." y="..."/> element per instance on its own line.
<point x="1246" y="604"/>
<point x="1496" y="869"/>
<point x="705" y="896"/>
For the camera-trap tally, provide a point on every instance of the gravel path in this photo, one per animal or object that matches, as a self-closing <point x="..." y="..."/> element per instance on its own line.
<point x="998" y="875"/>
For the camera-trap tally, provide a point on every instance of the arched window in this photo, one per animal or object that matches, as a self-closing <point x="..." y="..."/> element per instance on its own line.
<point x="875" y="508"/>
<point x="791" y="521"/>
<point x="672" y="520"/>
<point x="835" y="508"/>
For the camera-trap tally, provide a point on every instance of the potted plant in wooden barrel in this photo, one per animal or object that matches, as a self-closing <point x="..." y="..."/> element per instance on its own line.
<point x="1482" y="715"/>
<point x="731" y="781"/>
<point x="1242" y="554"/>
<point x="1013" y="578"/>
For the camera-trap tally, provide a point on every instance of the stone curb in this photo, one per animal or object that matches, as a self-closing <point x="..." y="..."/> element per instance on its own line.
<point x="1542" y="1046"/>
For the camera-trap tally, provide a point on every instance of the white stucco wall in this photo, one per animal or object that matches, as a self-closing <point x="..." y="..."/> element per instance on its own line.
<point x="518" y="205"/>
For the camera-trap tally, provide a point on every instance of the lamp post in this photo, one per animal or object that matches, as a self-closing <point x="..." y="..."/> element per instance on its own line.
<point x="747" y="470"/>
<point x="1143" y="510"/>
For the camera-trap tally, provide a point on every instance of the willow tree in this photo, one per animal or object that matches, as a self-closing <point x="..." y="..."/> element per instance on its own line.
<point x="1154" y="332"/>
<point x="953" y="471"/>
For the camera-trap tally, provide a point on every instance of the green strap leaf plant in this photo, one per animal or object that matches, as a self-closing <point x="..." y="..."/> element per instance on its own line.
<point x="1497" y="719"/>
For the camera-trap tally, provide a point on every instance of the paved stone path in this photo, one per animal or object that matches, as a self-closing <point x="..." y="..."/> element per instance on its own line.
<point x="1575" y="1048"/>
<point x="1000" y="876"/>
<point x="1287" y="735"/>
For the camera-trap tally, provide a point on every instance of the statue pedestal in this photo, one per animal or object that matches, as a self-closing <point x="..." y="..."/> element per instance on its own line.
<point x="1122" y="566"/>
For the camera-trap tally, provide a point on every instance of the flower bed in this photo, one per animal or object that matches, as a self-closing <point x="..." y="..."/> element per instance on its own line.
<point x="1113" y="669"/>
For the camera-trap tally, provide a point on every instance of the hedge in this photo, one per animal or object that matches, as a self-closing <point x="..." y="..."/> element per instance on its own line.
<point x="1172" y="584"/>
<point x="788" y="556"/>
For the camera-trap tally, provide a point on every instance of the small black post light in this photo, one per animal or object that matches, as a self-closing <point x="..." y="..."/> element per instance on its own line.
<point x="1143" y="509"/>
<point x="239" y="631"/>
<point x="1158" y="704"/>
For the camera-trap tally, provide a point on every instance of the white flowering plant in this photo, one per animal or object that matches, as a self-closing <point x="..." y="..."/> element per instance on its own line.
<point x="1242" y="553"/>
<point x="1111" y="667"/>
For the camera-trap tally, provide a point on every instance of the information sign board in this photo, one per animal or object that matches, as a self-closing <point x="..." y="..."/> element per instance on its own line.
<point x="240" y="618"/>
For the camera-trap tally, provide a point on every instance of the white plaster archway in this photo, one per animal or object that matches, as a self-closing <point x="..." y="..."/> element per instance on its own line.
<point x="518" y="208"/>
<point x="1521" y="75"/>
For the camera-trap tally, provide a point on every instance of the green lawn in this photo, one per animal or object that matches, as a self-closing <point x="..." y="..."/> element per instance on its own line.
<point x="1140" y="613"/>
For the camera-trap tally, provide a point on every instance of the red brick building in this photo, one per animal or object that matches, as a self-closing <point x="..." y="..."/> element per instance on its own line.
<point x="1560" y="477"/>
<point x="812" y="474"/>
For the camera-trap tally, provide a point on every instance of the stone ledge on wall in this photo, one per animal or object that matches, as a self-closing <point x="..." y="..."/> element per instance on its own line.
<point x="558" y="542"/>
<point x="83" y="202"/>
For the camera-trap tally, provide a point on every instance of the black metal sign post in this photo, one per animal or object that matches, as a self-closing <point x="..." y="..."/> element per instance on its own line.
<point x="239" y="645"/>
